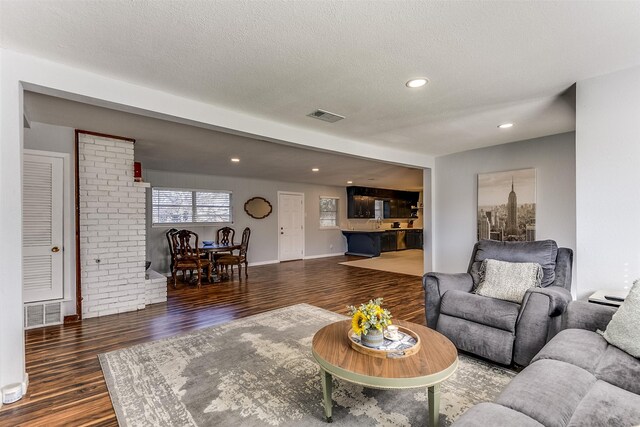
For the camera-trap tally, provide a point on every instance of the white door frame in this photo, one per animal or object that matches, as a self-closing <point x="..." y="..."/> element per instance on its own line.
<point x="67" y="208"/>
<point x="304" y="229"/>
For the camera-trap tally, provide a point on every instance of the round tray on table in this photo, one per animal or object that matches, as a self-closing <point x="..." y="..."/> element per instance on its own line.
<point x="390" y="349"/>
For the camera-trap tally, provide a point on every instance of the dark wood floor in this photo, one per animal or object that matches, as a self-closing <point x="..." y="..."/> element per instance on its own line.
<point x="66" y="383"/>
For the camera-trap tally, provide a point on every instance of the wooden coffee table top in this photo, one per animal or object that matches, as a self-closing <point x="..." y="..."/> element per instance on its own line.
<point x="436" y="360"/>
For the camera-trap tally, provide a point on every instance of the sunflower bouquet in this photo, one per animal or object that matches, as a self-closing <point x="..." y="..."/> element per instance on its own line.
<point x="369" y="316"/>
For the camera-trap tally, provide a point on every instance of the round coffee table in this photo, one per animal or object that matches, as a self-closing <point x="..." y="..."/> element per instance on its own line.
<point x="435" y="361"/>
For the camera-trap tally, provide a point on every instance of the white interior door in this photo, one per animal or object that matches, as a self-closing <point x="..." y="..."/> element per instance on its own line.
<point x="291" y="226"/>
<point x="42" y="228"/>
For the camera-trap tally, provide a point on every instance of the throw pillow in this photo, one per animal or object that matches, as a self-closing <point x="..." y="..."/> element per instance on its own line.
<point x="623" y="330"/>
<point x="543" y="252"/>
<point x="508" y="281"/>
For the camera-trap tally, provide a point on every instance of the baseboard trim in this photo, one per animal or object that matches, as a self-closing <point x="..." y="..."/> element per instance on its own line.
<point x="71" y="319"/>
<point x="324" y="255"/>
<point x="254" y="264"/>
<point x="25" y="383"/>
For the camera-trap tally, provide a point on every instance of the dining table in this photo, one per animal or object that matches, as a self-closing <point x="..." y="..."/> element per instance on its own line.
<point x="214" y="248"/>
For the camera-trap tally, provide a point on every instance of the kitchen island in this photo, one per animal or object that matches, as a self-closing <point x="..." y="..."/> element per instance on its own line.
<point x="370" y="243"/>
<point x="363" y="242"/>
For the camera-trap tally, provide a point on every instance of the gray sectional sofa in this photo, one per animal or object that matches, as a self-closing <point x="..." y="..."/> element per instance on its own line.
<point x="577" y="379"/>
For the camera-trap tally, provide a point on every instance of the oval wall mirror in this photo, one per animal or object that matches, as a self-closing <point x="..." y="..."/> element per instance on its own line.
<point x="258" y="207"/>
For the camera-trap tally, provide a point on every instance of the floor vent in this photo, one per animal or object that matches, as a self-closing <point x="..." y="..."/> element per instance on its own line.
<point x="42" y="314"/>
<point x="325" y="116"/>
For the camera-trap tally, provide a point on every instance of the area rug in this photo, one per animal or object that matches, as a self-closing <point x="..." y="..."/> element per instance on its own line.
<point x="410" y="262"/>
<point x="259" y="371"/>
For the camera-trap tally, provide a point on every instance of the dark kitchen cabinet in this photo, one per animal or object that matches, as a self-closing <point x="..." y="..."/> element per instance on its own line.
<point x="414" y="239"/>
<point x="404" y="208"/>
<point x="397" y="204"/>
<point x="398" y="208"/>
<point x="361" y="207"/>
<point x="393" y="209"/>
<point x="369" y="207"/>
<point x="388" y="241"/>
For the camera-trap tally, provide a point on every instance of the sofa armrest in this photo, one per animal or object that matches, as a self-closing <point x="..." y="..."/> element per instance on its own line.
<point x="435" y="285"/>
<point x="586" y="315"/>
<point x="558" y="297"/>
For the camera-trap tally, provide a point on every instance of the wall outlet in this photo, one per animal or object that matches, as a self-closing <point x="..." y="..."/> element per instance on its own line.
<point x="330" y="246"/>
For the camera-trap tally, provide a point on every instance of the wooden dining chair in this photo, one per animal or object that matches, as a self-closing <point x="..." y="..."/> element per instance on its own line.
<point x="227" y="261"/>
<point x="168" y="233"/>
<point x="187" y="256"/>
<point x="224" y="236"/>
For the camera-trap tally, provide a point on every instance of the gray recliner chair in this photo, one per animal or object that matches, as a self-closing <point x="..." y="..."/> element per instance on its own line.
<point x="498" y="330"/>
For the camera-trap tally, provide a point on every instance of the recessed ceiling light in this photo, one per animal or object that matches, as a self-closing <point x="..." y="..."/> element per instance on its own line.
<point x="415" y="83"/>
<point x="505" y="125"/>
<point x="349" y="182"/>
<point x="315" y="170"/>
<point x="235" y="159"/>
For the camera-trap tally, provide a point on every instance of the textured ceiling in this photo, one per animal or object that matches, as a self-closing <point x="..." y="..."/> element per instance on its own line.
<point x="488" y="62"/>
<point x="165" y="145"/>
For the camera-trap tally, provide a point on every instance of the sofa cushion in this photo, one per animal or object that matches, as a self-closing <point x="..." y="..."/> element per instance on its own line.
<point x="576" y="346"/>
<point x="480" y="309"/>
<point x="543" y="252"/>
<point x="485" y="341"/>
<point x="490" y="414"/>
<point x="620" y="369"/>
<point x="508" y="281"/>
<point x="624" y="329"/>
<point x="548" y="391"/>
<point x="607" y="405"/>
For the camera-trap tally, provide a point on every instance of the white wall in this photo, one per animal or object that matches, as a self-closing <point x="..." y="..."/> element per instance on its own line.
<point x="608" y="181"/>
<point x="427" y="214"/>
<point x="12" y="366"/>
<point x="60" y="139"/>
<point x="456" y="194"/>
<point x="263" y="246"/>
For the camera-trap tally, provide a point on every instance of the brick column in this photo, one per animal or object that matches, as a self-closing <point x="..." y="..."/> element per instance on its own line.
<point x="112" y="227"/>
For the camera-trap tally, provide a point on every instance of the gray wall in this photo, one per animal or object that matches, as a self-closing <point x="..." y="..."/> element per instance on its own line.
<point x="455" y="200"/>
<point x="263" y="246"/>
<point x="59" y="139"/>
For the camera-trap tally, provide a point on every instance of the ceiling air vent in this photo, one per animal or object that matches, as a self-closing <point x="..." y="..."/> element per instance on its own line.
<point x="325" y="116"/>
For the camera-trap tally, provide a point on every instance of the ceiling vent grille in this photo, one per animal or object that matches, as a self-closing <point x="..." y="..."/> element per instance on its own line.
<point x="325" y="116"/>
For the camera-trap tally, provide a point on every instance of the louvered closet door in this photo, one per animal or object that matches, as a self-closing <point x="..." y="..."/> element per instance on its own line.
<point x="42" y="210"/>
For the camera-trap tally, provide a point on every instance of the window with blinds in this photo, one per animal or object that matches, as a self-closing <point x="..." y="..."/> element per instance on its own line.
<point x="175" y="206"/>
<point x="328" y="212"/>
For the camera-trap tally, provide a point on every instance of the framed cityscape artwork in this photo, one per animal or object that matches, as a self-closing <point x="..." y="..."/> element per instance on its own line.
<point x="507" y="205"/>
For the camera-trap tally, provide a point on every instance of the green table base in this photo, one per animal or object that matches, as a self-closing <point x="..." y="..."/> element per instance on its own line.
<point x="433" y="391"/>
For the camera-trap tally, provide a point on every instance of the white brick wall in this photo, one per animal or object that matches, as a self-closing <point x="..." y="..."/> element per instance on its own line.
<point x="112" y="228"/>
<point x="156" y="287"/>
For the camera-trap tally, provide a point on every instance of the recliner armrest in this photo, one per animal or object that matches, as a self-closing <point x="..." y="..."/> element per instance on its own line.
<point x="559" y="298"/>
<point x="443" y="282"/>
<point x="538" y="321"/>
<point x="435" y="285"/>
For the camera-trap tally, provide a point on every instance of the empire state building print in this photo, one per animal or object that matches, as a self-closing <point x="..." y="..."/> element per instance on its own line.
<point x="507" y="205"/>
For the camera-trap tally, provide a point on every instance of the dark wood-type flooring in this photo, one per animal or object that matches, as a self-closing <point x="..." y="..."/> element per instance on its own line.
<point x="66" y="383"/>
